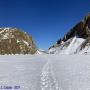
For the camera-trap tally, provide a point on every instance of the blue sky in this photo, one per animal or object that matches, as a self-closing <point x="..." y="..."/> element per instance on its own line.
<point x="45" y="20"/>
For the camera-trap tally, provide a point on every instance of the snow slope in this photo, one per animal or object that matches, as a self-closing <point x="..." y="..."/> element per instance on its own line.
<point x="41" y="52"/>
<point x="68" y="47"/>
<point x="45" y="72"/>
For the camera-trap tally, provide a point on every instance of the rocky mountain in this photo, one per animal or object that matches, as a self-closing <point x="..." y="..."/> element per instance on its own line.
<point x="16" y="41"/>
<point x="79" y="31"/>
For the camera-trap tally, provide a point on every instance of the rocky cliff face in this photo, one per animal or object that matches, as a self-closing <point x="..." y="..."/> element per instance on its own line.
<point x="82" y="30"/>
<point x="15" y="41"/>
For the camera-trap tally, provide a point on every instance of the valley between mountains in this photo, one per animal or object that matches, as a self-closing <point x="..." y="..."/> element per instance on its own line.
<point x="64" y="66"/>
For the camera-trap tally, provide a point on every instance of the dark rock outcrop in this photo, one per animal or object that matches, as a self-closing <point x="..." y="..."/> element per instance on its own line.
<point x="82" y="30"/>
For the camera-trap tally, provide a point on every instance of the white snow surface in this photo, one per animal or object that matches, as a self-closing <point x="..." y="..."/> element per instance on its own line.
<point x="26" y="42"/>
<point x="40" y="52"/>
<point x="68" y="47"/>
<point x="45" y="72"/>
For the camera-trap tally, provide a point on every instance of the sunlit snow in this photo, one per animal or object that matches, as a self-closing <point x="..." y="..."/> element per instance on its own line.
<point x="45" y="72"/>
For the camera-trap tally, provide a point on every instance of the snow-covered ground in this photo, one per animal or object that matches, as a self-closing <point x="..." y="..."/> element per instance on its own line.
<point x="45" y="72"/>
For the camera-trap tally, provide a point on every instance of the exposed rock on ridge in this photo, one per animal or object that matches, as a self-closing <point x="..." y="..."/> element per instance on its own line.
<point x="15" y="41"/>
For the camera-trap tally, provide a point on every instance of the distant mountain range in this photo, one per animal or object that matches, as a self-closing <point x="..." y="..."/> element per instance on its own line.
<point x="77" y="40"/>
<point x="16" y="41"/>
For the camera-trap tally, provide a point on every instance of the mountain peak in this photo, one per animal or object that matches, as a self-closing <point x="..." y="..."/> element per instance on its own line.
<point x="81" y="30"/>
<point x="16" y="41"/>
<point x="87" y="16"/>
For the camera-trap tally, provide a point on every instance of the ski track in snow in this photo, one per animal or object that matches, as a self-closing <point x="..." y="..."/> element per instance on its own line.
<point x="48" y="80"/>
<point x="45" y="72"/>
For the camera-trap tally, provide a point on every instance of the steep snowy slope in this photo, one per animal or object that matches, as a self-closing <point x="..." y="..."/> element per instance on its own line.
<point x="40" y="52"/>
<point x="68" y="47"/>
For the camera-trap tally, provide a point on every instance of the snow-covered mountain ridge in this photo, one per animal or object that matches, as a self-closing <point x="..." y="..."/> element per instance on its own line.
<point x="77" y="40"/>
<point x="69" y="47"/>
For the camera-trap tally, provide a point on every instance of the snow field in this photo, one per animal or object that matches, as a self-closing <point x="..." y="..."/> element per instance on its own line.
<point x="45" y="72"/>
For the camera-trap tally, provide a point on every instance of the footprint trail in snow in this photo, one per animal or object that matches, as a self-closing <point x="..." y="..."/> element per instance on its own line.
<point x="48" y="80"/>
